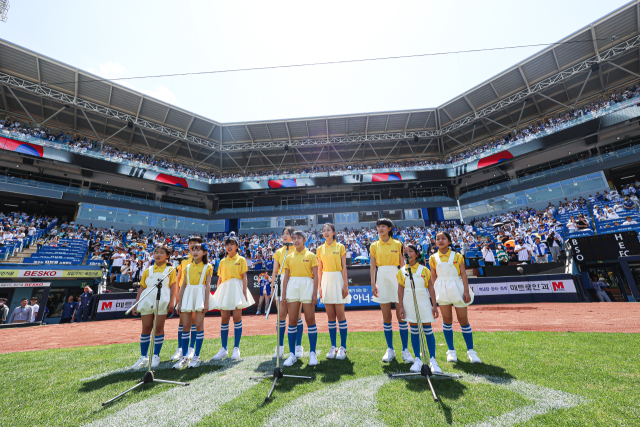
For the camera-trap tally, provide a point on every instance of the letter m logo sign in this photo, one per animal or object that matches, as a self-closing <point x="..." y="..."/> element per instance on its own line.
<point x="557" y="286"/>
<point x="107" y="305"/>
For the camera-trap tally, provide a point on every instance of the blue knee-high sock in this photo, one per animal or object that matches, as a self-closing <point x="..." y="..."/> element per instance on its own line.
<point x="157" y="344"/>
<point x="332" y="333"/>
<point x="224" y="334"/>
<point x="179" y="336"/>
<point x="343" y="333"/>
<point x="388" y="334"/>
<point x="293" y="331"/>
<point x="300" y="331"/>
<point x="237" y="334"/>
<point x="415" y="341"/>
<point x="145" y="342"/>
<point x="283" y="326"/>
<point x="185" y="343"/>
<point x="431" y="340"/>
<point x="199" y="340"/>
<point x="404" y="334"/>
<point x="447" y="328"/>
<point x="192" y="344"/>
<point x="312" y="330"/>
<point x="468" y="336"/>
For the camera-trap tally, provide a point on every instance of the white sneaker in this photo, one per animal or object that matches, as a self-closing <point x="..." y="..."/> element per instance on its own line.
<point x="406" y="356"/>
<point x="434" y="366"/>
<point x="417" y="365"/>
<point x="191" y="353"/>
<point x="195" y="362"/>
<point x="473" y="356"/>
<point x="332" y="353"/>
<point x="299" y="351"/>
<point x="155" y="361"/>
<point x="313" y="359"/>
<point x="389" y="355"/>
<point x="452" y="356"/>
<point x="182" y="363"/>
<point x="258" y="313"/>
<point x="342" y="353"/>
<point x="236" y="354"/>
<point x="275" y="352"/>
<point x="221" y="354"/>
<point x="177" y="355"/>
<point x="140" y="363"/>
<point x="290" y="360"/>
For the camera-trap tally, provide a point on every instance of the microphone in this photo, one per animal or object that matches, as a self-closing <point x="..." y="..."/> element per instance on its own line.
<point x="287" y="243"/>
<point x="406" y="256"/>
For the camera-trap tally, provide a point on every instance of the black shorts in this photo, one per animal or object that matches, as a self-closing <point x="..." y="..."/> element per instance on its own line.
<point x="115" y="270"/>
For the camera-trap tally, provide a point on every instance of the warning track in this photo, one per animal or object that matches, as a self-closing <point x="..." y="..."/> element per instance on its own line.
<point x="570" y="317"/>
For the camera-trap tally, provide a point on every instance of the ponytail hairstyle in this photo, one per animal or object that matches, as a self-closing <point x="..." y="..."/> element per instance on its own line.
<point x="205" y="257"/>
<point x="418" y="251"/>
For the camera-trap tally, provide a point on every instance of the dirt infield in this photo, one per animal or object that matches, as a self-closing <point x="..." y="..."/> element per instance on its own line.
<point x="587" y="317"/>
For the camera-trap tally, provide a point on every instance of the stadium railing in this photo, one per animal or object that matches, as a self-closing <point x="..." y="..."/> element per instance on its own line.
<point x="96" y="154"/>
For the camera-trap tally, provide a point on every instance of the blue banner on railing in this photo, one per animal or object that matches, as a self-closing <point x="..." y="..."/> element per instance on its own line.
<point x="361" y="296"/>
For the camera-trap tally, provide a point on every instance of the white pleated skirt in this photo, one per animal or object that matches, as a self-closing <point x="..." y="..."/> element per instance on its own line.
<point x="148" y="304"/>
<point x="229" y="296"/>
<point x="194" y="299"/>
<point x="424" y="306"/>
<point x="331" y="285"/>
<point x="449" y="291"/>
<point x="300" y="289"/>
<point x="387" y="284"/>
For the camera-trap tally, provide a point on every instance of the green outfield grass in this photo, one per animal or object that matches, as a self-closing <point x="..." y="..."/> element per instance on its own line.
<point x="528" y="378"/>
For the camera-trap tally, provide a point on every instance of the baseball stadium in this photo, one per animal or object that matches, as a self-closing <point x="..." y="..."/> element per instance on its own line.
<point x="474" y="263"/>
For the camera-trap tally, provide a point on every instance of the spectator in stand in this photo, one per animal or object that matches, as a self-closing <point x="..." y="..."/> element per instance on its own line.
<point x="35" y="307"/>
<point x="487" y="255"/>
<point x="582" y="223"/>
<point x="86" y="303"/>
<point x="22" y="313"/>
<point x="118" y="261"/>
<point x="501" y="254"/>
<point x="540" y="251"/>
<point x="629" y="221"/>
<point x="554" y="243"/>
<point x="523" y="251"/>
<point x="628" y="204"/>
<point x="4" y="311"/>
<point x="599" y="286"/>
<point x="68" y="310"/>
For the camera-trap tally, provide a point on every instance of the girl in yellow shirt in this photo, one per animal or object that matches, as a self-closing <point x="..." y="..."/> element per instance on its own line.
<point x="195" y="296"/>
<point x="278" y="261"/>
<point x="449" y="279"/>
<point x="147" y="307"/>
<point x="424" y="295"/>
<point x="300" y="286"/>
<point x="231" y="296"/>
<point x="194" y="240"/>
<point x="386" y="255"/>
<point x="334" y="288"/>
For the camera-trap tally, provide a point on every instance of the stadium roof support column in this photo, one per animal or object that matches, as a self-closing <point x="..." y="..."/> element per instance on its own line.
<point x="551" y="99"/>
<point x="391" y="151"/>
<point x="624" y="69"/>
<point x="334" y="149"/>
<point x="582" y="88"/>
<point x="145" y="140"/>
<point x="354" y="153"/>
<point x="53" y="115"/>
<point x="212" y="153"/>
<point x="524" y="104"/>
<point x="19" y="102"/>
<point x="120" y="130"/>
<point x="160" y="150"/>
<point x="425" y="148"/>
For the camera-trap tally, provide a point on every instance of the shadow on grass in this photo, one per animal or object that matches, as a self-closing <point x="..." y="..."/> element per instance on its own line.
<point x="483" y="369"/>
<point x="129" y="378"/>
<point x="447" y="389"/>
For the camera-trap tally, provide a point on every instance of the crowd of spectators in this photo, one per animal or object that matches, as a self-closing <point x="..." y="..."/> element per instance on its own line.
<point x="84" y="144"/>
<point x="16" y="227"/>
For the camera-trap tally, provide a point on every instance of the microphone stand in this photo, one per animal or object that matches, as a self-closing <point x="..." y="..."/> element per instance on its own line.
<point x="149" y="376"/>
<point x="425" y="371"/>
<point x="277" y="372"/>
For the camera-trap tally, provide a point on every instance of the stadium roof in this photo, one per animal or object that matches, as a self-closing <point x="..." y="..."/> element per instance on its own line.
<point x="585" y="65"/>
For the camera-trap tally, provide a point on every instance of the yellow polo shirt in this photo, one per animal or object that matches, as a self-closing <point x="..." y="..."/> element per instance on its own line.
<point x="300" y="264"/>
<point x="279" y="255"/>
<point x="331" y="256"/>
<point x="183" y="268"/>
<point x="386" y="253"/>
<point x="457" y="261"/>
<point x="195" y="271"/>
<point x="158" y="269"/>
<point x="426" y="275"/>
<point x="232" y="268"/>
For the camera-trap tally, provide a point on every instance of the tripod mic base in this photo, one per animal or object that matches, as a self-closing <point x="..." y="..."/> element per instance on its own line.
<point x="148" y="378"/>
<point x="277" y="374"/>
